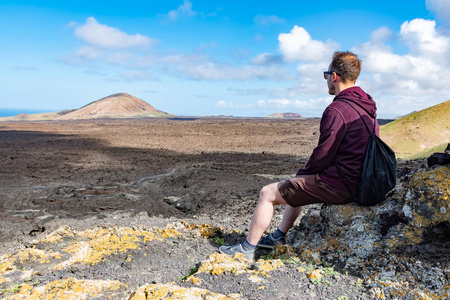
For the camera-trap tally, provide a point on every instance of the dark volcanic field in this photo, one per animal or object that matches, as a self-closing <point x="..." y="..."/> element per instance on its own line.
<point x="80" y="169"/>
<point x="85" y="173"/>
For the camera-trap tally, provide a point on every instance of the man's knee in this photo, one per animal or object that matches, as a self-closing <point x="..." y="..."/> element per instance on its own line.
<point x="268" y="192"/>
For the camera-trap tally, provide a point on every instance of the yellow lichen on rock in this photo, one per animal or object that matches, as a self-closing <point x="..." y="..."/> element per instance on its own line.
<point x="200" y="230"/>
<point x="433" y="205"/>
<point x="205" y="230"/>
<point x="315" y="275"/>
<point x="427" y="204"/>
<point x="58" y="235"/>
<point x="93" y="245"/>
<point x="311" y="255"/>
<point x="280" y="250"/>
<point x="404" y="290"/>
<point x="167" y="233"/>
<point x="237" y="264"/>
<point x="377" y="293"/>
<point x="264" y="266"/>
<point x="255" y="279"/>
<point x="8" y="262"/>
<point x="70" y="289"/>
<point x="175" y="292"/>
<point x="221" y="263"/>
<point x="103" y="242"/>
<point x="2" y="279"/>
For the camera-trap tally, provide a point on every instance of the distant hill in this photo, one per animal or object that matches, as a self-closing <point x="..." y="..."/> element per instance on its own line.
<point x="119" y="105"/>
<point x="421" y="133"/>
<point x="285" y="115"/>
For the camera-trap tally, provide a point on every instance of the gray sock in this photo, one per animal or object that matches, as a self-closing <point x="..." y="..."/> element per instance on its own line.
<point x="247" y="246"/>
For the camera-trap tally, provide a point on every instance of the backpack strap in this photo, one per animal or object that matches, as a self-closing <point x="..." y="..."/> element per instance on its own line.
<point x="352" y="195"/>
<point x="374" y="120"/>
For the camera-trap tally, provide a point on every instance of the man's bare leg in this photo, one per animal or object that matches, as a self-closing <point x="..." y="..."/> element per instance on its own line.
<point x="269" y="196"/>
<point x="289" y="216"/>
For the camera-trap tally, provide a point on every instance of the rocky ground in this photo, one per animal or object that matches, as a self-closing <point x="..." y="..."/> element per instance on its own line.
<point x="135" y="209"/>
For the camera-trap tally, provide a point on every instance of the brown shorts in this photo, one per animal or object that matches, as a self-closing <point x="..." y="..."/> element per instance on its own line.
<point x="309" y="189"/>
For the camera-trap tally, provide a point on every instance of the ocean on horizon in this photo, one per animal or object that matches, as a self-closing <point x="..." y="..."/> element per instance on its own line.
<point x="11" y="112"/>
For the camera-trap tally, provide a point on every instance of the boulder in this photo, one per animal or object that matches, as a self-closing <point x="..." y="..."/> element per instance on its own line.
<point x="404" y="239"/>
<point x="438" y="159"/>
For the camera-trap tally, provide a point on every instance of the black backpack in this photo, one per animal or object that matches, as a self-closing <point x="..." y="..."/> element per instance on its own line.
<point x="379" y="172"/>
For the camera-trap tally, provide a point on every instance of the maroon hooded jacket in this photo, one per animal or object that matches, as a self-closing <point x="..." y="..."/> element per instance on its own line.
<point x="343" y="140"/>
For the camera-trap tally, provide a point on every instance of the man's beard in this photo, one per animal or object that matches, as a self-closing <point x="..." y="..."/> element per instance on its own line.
<point x="331" y="90"/>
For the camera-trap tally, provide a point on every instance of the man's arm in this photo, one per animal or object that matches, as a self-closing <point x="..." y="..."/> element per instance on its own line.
<point x="332" y="130"/>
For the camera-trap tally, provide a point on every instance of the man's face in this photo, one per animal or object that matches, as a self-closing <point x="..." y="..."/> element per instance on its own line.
<point x="331" y="88"/>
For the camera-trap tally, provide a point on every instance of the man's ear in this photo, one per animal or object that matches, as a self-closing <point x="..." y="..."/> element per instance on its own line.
<point x="335" y="77"/>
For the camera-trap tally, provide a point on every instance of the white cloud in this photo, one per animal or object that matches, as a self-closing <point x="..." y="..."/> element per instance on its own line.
<point x="87" y="52"/>
<point x="441" y="8"/>
<point x="248" y="91"/>
<point x="103" y="36"/>
<point x="267" y="59"/>
<point x="268" y="20"/>
<point x="222" y="104"/>
<point x="195" y="66"/>
<point x="379" y="61"/>
<point x="311" y="79"/>
<point x="313" y="57"/>
<point x="309" y="107"/>
<point x="380" y="35"/>
<point x="184" y="9"/>
<point x="422" y="70"/>
<point x="413" y="80"/>
<point x="277" y="103"/>
<point x="121" y="57"/>
<point x="310" y="104"/>
<point x="299" y="46"/>
<point x="423" y="39"/>
<point x="230" y="104"/>
<point x="209" y="70"/>
<point x="82" y="56"/>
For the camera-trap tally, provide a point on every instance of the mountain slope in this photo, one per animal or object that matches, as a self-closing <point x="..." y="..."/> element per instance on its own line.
<point x="120" y="105"/>
<point x="417" y="134"/>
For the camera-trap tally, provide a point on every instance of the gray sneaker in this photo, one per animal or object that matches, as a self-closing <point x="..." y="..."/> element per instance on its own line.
<point x="269" y="241"/>
<point x="231" y="250"/>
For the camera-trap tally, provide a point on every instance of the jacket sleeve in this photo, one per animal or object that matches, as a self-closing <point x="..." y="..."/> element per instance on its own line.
<point x="332" y="130"/>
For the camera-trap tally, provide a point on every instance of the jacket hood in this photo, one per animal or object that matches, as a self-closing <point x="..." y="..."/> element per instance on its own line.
<point x="359" y="97"/>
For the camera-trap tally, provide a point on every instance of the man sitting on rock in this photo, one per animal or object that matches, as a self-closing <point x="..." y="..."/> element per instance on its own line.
<point x="333" y="171"/>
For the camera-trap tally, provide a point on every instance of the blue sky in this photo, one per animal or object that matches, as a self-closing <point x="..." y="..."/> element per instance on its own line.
<point x="210" y="57"/>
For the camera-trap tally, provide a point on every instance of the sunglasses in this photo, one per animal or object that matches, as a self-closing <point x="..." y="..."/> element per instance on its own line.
<point x="326" y="73"/>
